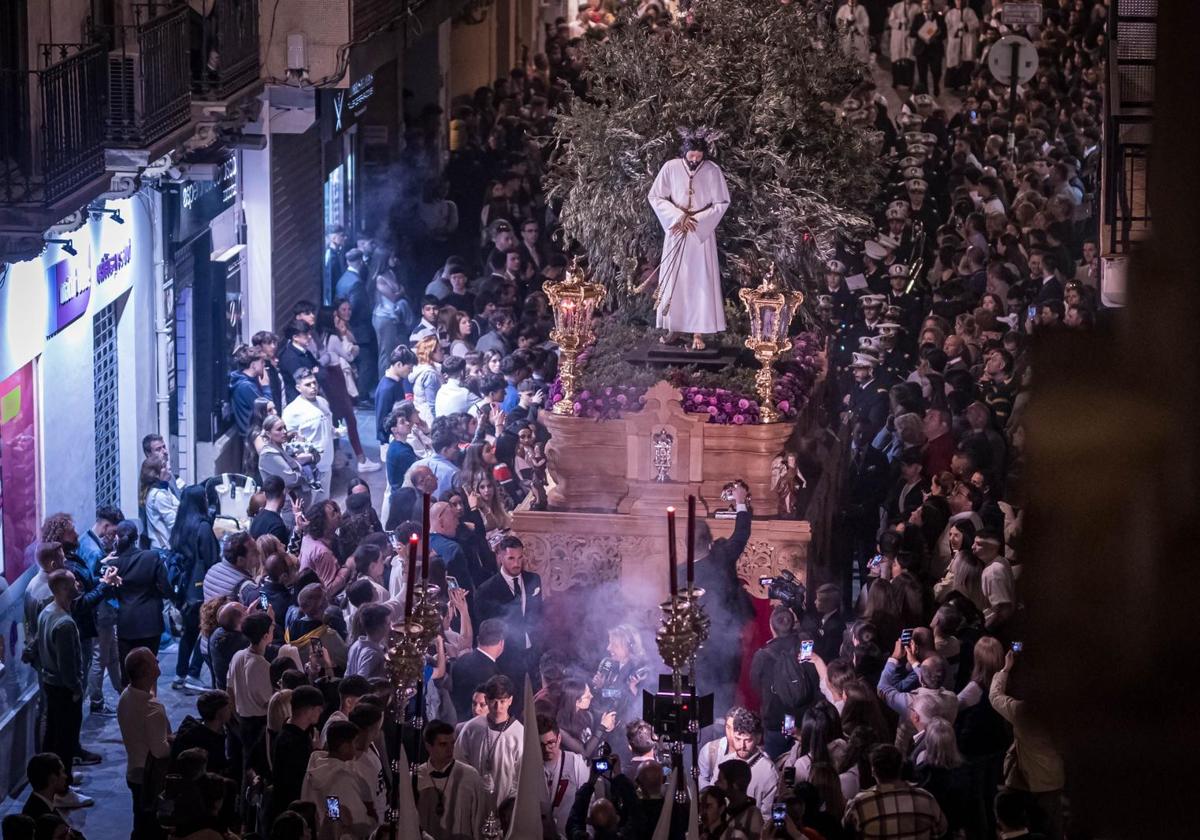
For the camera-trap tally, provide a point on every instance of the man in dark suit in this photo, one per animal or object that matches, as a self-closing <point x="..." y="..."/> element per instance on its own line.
<point x="48" y="779"/>
<point x="831" y="622"/>
<point x="354" y="288"/>
<point x="476" y="667"/>
<point x="515" y="596"/>
<point x="726" y="602"/>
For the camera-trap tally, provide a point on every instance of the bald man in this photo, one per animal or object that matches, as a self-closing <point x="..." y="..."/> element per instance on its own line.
<point x="443" y="526"/>
<point x="145" y="730"/>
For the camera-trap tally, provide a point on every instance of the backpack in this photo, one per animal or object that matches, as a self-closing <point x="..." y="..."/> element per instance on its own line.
<point x="179" y="574"/>
<point x="793" y="683"/>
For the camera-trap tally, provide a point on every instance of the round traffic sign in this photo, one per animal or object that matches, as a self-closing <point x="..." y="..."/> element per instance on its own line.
<point x="1001" y="59"/>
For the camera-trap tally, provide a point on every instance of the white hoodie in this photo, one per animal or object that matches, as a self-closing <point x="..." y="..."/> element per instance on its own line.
<point x="328" y="776"/>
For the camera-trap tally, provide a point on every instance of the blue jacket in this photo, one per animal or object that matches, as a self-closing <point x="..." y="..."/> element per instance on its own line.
<point x="243" y="391"/>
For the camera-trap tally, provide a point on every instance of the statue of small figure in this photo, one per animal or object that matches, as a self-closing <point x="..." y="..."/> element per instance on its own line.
<point x="787" y="481"/>
<point x="531" y="467"/>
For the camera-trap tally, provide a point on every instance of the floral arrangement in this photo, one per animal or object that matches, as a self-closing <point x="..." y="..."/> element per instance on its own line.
<point x="724" y="405"/>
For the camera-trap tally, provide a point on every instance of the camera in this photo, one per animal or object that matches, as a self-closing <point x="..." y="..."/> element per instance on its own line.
<point x="727" y="490"/>
<point x="785" y="589"/>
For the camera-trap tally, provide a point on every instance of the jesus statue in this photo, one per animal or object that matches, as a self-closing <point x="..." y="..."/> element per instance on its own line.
<point x="689" y="197"/>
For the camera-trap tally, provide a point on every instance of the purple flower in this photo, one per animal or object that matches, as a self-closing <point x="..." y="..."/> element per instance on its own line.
<point x="622" y="399"/>
<point x="585" y="395"/>
<point x="712" y="400"/>
<point x="784" y="405"/>
<point x="697" y="398"/>
<point x="578" y="408"/>
<point x="743" y="404"/>
<point x="712" y="410"/>
<point x="739" y="419"/>
<point x="608" y="392"/>
<point x="727" y="408"/>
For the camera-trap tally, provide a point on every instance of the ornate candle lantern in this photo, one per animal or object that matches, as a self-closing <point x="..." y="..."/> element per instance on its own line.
<point x="425" y="611"/>
<point x="405" y="659"/>
<point x="574" y="300"/>
<point x="771" y="308"/>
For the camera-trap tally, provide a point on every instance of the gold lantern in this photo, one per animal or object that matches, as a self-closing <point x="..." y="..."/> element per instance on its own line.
<point x="574" y="300"/>
<point x="771" y="308"/>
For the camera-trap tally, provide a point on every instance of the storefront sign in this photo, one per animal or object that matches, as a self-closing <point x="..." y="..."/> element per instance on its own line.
<point x="1021" y="14"/>
<point x="70" y="287"/>
<point x="199" y="202"/>
<point x="342" y="108"/>
<point x="109" y="266"/>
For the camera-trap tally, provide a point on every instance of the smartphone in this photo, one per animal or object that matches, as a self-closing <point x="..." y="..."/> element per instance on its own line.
<point x="452" y="582"/>
<point x="1018" y="647"/>
<point x="317" y="647"/>
<point x="789" y="776"/>
<point x="806" y="651"/>
<point x="333" y="807"/>
<point x="789" y="724"/>
<point x="765" y="581"/>
<point x="876" y="561"/>
<point x="263" y="603"/>
<point x="779" y="815"/>
<point x="600" y="766"/>
<point x="1032" y="313"/>
<point x="906" y="636"/>
<point x="974" y="115"/>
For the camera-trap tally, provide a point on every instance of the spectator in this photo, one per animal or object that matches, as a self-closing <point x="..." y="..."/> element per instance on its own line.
<point x="330" y="777"/>
<point x="367" y="656"/>
<point x="565" y="771"/>
<point x="312" y="626"/>
<point x="225" y="641"/>
<point x="49" y="782"/>
<point x="892" y="807"/>
<point x="741" y="745"/>
<point x="145" y="731"/>
<point x="316" y="549"/>
<point x="233" y="576"/>
<point x="269" y="519"/>
<point x="140" y="597"/>
<point x="156" y="498"/>
<point x="209" y="732"/>
<point x="294" y="745"/>
<point x="193" y="540"/>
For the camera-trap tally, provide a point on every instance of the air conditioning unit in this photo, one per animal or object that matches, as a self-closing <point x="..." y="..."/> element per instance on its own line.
<point x="126" y="107"/>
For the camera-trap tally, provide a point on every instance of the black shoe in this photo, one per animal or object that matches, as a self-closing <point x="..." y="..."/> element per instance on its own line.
<point x="86" y="758"/>
<point x="103" y="708"/>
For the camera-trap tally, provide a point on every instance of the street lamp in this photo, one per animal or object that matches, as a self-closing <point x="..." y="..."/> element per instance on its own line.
<point x="574" y="300"/>
<point x="771" y="309"/>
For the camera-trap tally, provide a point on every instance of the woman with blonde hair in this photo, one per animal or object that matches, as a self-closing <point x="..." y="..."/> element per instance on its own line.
<point x="156" y="498"/>
<point x="940" y="769"/>
<point x="426" y="377"/>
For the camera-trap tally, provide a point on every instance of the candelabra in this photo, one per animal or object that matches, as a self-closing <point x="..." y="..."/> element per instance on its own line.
<point x="492" y="830"/>
<point x="573" y="300"/>
<point x="771" y="309"/>
<point x="425" y="611"/>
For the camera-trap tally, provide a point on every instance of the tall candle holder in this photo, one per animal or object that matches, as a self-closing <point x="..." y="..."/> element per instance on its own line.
<point x="425" y="611"/>
<point x="771" y="309"/>
<point x="574" y="300"/>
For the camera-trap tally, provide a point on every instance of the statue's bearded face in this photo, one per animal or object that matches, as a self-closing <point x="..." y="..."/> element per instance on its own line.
<point x="693" y="158"/>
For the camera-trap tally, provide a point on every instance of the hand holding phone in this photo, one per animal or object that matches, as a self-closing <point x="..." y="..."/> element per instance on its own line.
<point x="263" y="602"/>
<point x="333" y="808"/>
<point x="806" y="652"/>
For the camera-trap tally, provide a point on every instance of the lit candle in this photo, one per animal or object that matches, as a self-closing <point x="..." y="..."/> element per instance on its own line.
<point x="691" y="543"/>
<point x="671" y="558"/>
<point x="569" y="316"/>
<point x="425" y="538"/>
<point x="412" y="575"/>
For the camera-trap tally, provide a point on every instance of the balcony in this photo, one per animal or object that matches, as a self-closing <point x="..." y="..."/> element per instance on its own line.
<point x="225" y="49"/>
<point x="149" y="80"/>
<point x="52" y="139"/>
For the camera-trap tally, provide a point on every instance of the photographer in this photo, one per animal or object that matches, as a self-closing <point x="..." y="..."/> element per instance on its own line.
<point x="786" y="683"/>
<point x="725" y="600"/>
<point x="604" y="819"/>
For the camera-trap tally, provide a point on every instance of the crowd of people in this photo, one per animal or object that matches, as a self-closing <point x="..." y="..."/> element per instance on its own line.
<point x="881" y="709"/>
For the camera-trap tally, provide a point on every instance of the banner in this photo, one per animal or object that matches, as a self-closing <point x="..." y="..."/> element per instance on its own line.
<point x="18" y="470"/>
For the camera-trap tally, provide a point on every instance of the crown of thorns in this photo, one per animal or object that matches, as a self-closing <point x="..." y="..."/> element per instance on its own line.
<point x="700" y="136"/>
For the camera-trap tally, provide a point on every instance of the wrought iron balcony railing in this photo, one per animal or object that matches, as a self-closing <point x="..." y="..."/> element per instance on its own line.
<point x="225" y="48"/>
<point x="52" y="140"/>
<point x="149" y="80"/>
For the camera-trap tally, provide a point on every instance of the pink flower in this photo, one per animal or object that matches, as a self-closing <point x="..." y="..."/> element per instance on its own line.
<point x="712" y="400"/>
<point x="697" y="398"/>
<point x="739" y="419"/>
<point x="743" y="404"/>
<point x="727" y="408"/>
<point x="622" y="399"/>
<point x="784" y="405"/>
<point x="585" y="395"/>
<point x="608" y="392"/>
<point x="578" y="408"/>
<point x="712" y="410"/>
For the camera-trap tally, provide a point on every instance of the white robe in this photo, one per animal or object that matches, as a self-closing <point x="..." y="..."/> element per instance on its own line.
<point x="962" y="36"/>
<point x="465" y="803"/>
<point x="563" y="779"/>
<point x="477" y="743"/>
<point x="313" y="422"/>
<point x="900" y="41"/>
<point x="689" y="277"/>
<point x="854" y="26"/>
